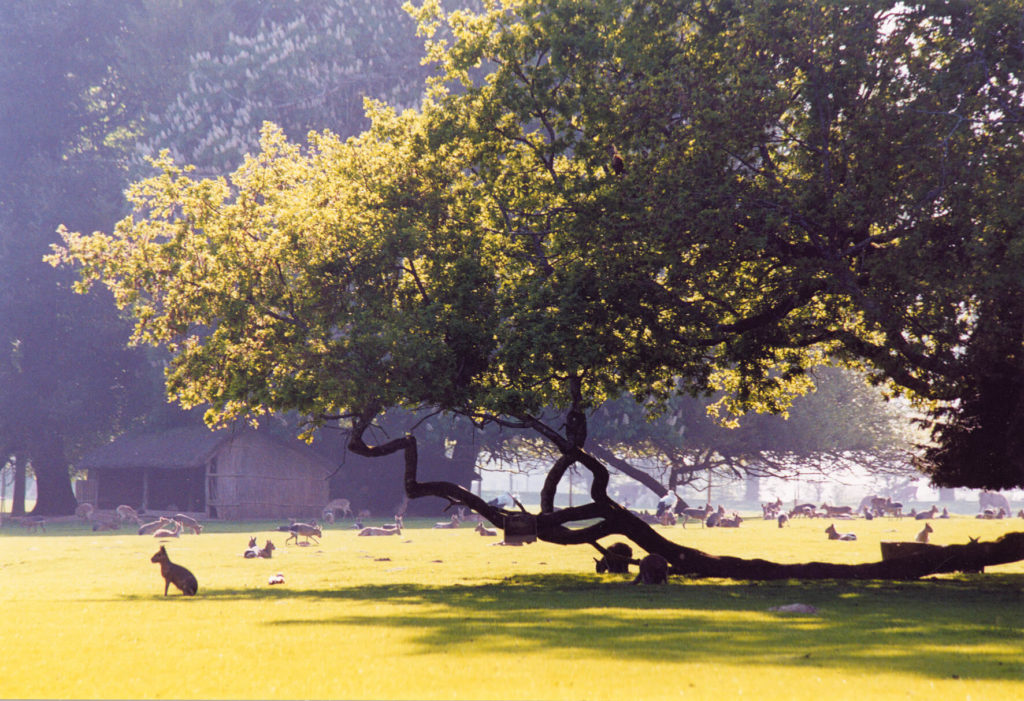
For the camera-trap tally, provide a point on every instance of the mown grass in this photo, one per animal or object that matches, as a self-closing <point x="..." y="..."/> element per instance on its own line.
<point x="443" y="614"/>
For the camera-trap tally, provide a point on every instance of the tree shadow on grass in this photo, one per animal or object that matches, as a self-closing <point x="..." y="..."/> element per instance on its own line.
<point x="969" y="627"/>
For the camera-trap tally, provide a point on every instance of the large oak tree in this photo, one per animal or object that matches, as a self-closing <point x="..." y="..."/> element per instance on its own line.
<point x="639" y="198"/>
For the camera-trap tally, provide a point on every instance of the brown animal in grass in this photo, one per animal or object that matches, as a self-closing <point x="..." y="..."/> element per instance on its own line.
<point x="615" y="560"/>
<point x="484" y="530"/>
<point x="922" y="537"/>
<point x="306" y="530"/>
<point x="175" y="574"/>
<point x="833" y="534"/>
<point x="653" y="570"/>
<point x="189" y="522"/>
<point x="127" y="513"/>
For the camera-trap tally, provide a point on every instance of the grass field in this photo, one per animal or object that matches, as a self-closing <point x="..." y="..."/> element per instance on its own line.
<point x="438" y="614"/>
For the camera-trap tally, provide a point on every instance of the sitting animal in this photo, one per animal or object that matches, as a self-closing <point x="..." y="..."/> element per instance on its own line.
<point x="733" y="520"/>
<point x="175" y="574"/>
<point x="922" y="537"/>
<point x="253" y="550"/>
<point x="267" y="550"/>
<point x="172" y="532"/>
<point x="833" y="534"/>
<point x="925" y="515"/>
<point x="484" y="530"/>
<point x="653" y="570"/>
<point x="616" y="559"/>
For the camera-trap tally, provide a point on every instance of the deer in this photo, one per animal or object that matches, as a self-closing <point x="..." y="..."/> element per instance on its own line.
<point x="152" y="526"/>
<point x="484" y="530"/>
<point x="696" y="514"/>
<point x="127" y="513"/>
<point x="653" y="570"/>
<point x="172" y="532"/>
<point x="306" y="530"/>
<point x="334" y="506"/>
<point x="455" y="522"/>
<point x="189" y="522"/>
<point x="390" y="529"/>
<point x="833" y="534"/>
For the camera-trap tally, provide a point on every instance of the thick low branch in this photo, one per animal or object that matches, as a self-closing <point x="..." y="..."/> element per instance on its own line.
<point x="604" y="517"/>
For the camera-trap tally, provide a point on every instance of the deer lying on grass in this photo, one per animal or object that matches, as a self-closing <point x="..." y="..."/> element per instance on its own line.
<point x="455" y="522"/>
<point x="253" y="550"/>
<point x="172" y="532"/>
<point x="835" y="535"/>
<point x="922" y="537"/>
<point x="189" y="522"/>
<point x="105" y="524"/>
<point x="931" y="513"/>
<point x="484" y="530"/>
<point x="387" y="529"/>
<point x="152" y="526"/>
<point x="175" y="574"/>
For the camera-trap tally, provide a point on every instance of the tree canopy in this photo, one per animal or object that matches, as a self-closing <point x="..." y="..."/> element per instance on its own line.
<point x="636" y="198"/>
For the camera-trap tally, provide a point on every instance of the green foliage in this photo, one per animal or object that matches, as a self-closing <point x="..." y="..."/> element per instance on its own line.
<point x="636" y="199"/>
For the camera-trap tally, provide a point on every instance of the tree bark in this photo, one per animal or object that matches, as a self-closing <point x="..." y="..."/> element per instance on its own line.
<point x="20" y="479"/>
<point x="54" y="496"/>
<point x="605" y="517"/>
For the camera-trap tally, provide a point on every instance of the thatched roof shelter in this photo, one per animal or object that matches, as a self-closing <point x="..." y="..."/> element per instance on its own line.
<point x="226" y="474"/>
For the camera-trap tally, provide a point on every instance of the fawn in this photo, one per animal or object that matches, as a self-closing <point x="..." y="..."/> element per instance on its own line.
<point x="181" y="577"/>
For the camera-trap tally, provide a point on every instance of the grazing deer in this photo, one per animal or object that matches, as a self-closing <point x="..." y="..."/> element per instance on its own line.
<point x="175" y="574"/>
<point x="172" y="532"/>
<point x="653" y="570"/>
<point x="484" y="530"/>
<point x="152" y="526"/>
<point x="455" y="522"/>
<point x="336" y="506"/>
<point x="127" y="513"/>
<point x="922" y="537"/>
<point x="835" y="535"/>
<point x="31" y="523"/>
<point x="189" y="522"/>
<point x="84" y="511"/>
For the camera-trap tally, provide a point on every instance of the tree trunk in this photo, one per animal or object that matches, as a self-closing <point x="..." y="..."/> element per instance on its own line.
<point x="20" y="478"/>
<point x="54" y="495"/>
<point x="605" y="517"/>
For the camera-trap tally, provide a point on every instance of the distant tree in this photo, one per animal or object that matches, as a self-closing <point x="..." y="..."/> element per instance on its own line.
<point x="65" y="378"/>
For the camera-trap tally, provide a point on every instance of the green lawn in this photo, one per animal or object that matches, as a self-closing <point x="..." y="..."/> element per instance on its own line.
<point x="443" y="614"/>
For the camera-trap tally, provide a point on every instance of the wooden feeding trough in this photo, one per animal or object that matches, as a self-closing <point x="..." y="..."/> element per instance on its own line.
<point x="520" y="528"/>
